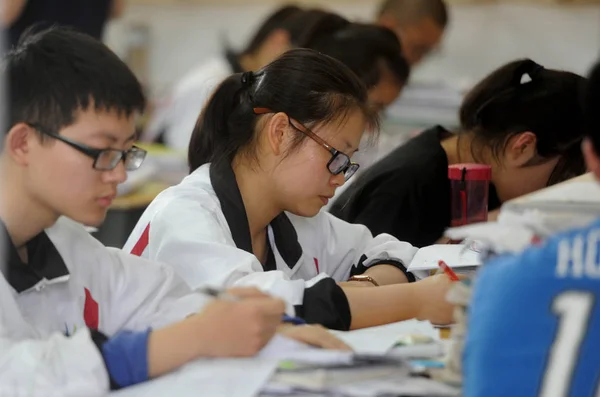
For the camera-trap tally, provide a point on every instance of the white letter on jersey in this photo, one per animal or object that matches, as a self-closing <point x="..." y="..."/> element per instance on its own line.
<point x="592" y="267"/>
<point x="570" y="257"/>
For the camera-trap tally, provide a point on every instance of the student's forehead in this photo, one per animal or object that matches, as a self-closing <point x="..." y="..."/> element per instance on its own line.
<point x="430" y="30"/>
<point x="345" y="130"/>
<point x="108" y="123"/>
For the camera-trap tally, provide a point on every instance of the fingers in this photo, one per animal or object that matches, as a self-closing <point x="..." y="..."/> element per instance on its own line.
<point x="315" y="335"/>
<point x="431" y="299"/>
<point x="273" y="307"/>
<point x="267" y="311"/>
<point x="270" y="304"/>
<point x="327" y="340"/>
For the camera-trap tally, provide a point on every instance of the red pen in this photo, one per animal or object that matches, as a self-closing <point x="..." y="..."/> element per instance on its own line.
<point x="449" y="272"/>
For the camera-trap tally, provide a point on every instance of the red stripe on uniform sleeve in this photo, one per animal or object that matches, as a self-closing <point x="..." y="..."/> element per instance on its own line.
<point x="142" y="242"/>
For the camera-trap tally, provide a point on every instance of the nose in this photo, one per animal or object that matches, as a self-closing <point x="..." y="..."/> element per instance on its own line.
<point x="116" y="175"/>
<point x="338" y="180"/>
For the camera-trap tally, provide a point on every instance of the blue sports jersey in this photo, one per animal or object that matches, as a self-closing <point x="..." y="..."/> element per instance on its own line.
<point x="534" y="321"/>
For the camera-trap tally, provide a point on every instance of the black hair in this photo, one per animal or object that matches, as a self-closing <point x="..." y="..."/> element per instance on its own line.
<point x="412" y="10"/>
<point x="303" y="26"/>
<point x="312" y="88"/>
<point x="364" y="48"/>
<point x="311" y="26"/>
<point x="273" y="22"/>
<point x="54" y="72"/>
<point x="523" y="96"/>
<point x="591" y="101"/>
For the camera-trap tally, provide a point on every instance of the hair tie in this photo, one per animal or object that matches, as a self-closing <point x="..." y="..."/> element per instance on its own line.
<point x="525" y="73"/>
<point x="247" y="79"/>
<point x="529" y="75"/>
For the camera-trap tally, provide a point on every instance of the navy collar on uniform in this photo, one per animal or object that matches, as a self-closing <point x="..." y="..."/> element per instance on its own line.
<point x="286" y="239"/>
<point x="44" y="262"/>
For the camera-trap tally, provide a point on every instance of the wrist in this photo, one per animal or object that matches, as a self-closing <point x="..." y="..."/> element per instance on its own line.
<point x="355" y="284"/>
<point x="364" y="279"/>
<point x="284" y="327"/>
<point x="415" y="299"/>
<point x="200" y="333"/>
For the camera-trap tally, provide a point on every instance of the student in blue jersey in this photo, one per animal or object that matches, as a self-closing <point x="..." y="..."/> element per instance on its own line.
<point x="535" y="317"/>
<point x="75" y="316"/>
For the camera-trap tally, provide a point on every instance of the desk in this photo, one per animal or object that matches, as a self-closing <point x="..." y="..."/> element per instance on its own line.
<point x="124" y="214"/>
<point x="139" y="198"/>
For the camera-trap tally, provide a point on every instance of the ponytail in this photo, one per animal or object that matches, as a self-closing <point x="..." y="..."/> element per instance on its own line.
<point x="226" y="123"/>
<point x="309" y="87"/>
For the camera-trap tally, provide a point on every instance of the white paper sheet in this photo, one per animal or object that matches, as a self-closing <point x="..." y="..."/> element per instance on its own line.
<point x="284" y="349"/>
<point x="455" y="255"/>
<point x="208" y="378"/>
<point x="413" y="386"/>
<point x="379" y="340"/>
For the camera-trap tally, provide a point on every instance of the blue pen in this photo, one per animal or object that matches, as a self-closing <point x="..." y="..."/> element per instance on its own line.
<point x="293" y="320"/>
<point x="217" y="293"/>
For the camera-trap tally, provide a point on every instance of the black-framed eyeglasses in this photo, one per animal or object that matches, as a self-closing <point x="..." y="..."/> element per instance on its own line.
<point x="340" y="162"/>
<point x="104" y="159"/>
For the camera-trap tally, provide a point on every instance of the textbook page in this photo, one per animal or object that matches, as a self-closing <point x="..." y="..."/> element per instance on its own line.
<point x="240" y="377"/>
<point x="381" y="339"/>
<point x="284" y="349"/>
<point x="455" y="255"/>
<point x="385" y="386"/>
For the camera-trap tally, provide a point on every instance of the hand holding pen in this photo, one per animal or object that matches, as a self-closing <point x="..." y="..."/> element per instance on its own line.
<point x="315" y="335"/>
<point x="237" y="324"/>
<point x="241" y="293"/>
<point x="448" y="271"/>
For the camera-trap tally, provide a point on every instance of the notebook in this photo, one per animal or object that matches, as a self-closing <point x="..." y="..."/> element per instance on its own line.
<point x="459" y="256"/>
<point x="319" y="378"/>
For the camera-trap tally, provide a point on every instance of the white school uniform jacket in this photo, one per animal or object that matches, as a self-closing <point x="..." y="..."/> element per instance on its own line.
<point x="201" y="228"/>
<point x="73" y="284"/>
<point x="175" y="119"/>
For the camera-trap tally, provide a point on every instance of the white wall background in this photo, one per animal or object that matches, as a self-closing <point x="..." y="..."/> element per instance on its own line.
<point x="480" y="37"/>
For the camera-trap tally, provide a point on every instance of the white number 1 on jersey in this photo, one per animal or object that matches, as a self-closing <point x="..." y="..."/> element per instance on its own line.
<point x="574" y="309"/>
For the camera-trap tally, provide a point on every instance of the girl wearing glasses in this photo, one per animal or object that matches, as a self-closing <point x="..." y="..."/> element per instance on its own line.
<point x="267" y="153"/>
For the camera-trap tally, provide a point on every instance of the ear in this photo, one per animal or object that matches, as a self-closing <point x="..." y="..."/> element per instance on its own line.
<point x="276" y="133"/>
<point x="17" y="143"/>
<point x="387" y="22"/>
<point x="521" y="148"/>
<point x="592" y="161"/>
<point x="279" y="39"/>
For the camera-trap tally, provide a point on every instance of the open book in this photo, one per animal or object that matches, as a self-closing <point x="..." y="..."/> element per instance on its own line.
<point x="459" y="256"/>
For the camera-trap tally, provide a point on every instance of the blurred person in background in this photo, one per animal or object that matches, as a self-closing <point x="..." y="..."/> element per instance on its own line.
<point x="419" y="24"/>
<point x="173" y="121"/>
<point x="372" y="52"/>
<point x="89" y="16"/>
